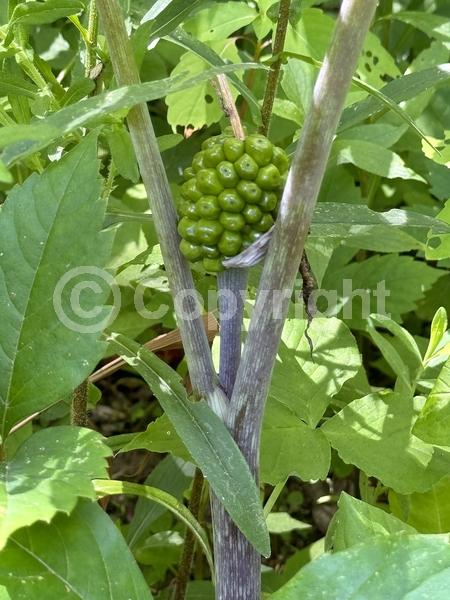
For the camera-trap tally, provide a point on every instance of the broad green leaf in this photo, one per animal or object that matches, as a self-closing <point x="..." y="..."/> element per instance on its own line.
<point x="40" y="13"/>
<point x="438" y="328"/>
<point x="159" y="436"/>
<point x="376" y="65"/>
<point x="51" y="228"/>
<point x="435" y="26"/>
<point x="282" y="522"/>
<point x="198" y="106"/>
<point x="110" y="487"/>
<point x="399" y="90"/>
<point x="23" y="140"/>
<point x="374" y="433"/>
<point x="357" y="521"/>
<point x="397" y="567"/>
<point x="311" y="35"/>
<point x="290" y="447"/>
<point x="207" y="440"/>
<point x="180" y="37"/>
<point x="428" y="512"/>
<point x="218" y="21"/>
<point x="372" y="158"/>
<point x="5" y="175"/>
<point x="433" y="424"/>
<point x="263" y="24"/>
<point x="298" y="82"/>
<point x="122" y="153"/>
<point x="439" y="243"/>
<point x="171" y="475"/>
<point x="47" y="474"/>
<point x="389" y="284"/>
<point x="380" y="134"/>
<point x="79" y="557"/>
<point x="303" y="382"/>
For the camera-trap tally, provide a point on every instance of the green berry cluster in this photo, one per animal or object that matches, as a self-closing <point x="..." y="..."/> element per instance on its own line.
<point x="230" y="197"/>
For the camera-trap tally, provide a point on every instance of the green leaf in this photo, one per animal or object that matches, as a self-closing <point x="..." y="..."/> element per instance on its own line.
<point x="23" y="140"/>
<point x="357" y="521"/>
<point x="16" y="86"/>
<point x="303" y="383"/>
<point x="435" y="26"/>
<point x="428" y="512"/>
<point x="122" y="153"/>
<point x="290" y="447"/>
<point x="438" y="328"/>
<point x="159" y="436"/>
<point x="389" y="284"/>
<point x="433" y="424"/>
<point x="311" y="35"/>
<point x="51" y="227"/>
<point x="110" y="488"/>
<point x="207" y="439"/>
<point x="395" y="230"/>
<point x="218" y="21"/>
<point x="181" y="38"/>
<point x="404" y="356"/>
<point x="397" y="567"/>
<point x="399" y="90"/>
<point x="374" y="433"/>
<point x="164" y="17"/>
<point x="47" y="474"/>
<point x="282" y="522"/>
<point x="372" y="158"/>
<point x="170" y="475"/>
<point x="198" y="105"/>
<point x="439" y="242"/>
<point x="41" y="13"/>
<point x="79" y="557"/>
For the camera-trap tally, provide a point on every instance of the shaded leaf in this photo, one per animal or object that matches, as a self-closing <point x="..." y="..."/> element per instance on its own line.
<point x="79" y="557"/>
<point x="433" y="424"/>
<point x="51" y="227"/>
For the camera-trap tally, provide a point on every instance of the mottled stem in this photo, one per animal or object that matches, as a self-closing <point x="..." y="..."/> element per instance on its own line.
<point x="232" y="286"/>
<point x="280" y="270"/>
<point x="78" y="414"/>
<point x="274" y="73"/>
<point x="203" y="377"/>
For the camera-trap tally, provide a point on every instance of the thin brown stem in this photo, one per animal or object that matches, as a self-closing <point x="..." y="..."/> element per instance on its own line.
<point x="274" y="73"/>
<point x="222" y="89"/>
<point x="187" y="557"/>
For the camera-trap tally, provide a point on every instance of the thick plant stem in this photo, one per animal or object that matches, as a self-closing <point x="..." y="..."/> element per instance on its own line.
<point x="203" y="377"/>
<point x="279" y="273"/>
<point x="92" y="34"/>
<point x="274" y="73"/>
<point x="187" y="557"/>
<point x="78" y="414"/>
<point x="232" y="285"/>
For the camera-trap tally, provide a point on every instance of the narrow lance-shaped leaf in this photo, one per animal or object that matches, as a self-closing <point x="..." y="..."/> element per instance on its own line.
<point x="206" y="438"/>
<point x="110" y="488"/>
<point x="51" y="229"/>
<point x="23" y="140"/>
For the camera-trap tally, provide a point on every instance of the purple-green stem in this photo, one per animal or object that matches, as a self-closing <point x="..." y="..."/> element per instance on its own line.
<point x="238" y="565"/>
